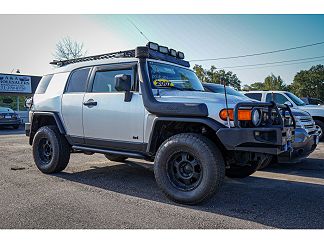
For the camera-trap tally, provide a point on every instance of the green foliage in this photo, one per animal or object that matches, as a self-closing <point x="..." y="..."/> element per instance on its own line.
<point x="309" y="83"/>
<point x="213" y="75"/>
<point x="271" y="82"/>
<point x="13" y="104"/>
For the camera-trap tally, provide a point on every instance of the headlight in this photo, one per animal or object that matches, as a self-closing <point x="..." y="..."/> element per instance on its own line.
<point x="256" y="117"/>
<point x="298" y="122"/>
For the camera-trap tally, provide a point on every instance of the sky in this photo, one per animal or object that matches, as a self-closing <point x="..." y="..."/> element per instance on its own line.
<point x="28" y="42"/>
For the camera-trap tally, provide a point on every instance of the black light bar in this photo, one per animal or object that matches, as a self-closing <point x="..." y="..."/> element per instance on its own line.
<point x="165" y="50"/>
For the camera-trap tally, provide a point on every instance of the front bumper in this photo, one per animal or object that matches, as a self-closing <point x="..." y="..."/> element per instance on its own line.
<point x="304" y="144"/>
<point x="272" y="138"/>
<point x="10" y="122"/>
<point x="260" y="140"/>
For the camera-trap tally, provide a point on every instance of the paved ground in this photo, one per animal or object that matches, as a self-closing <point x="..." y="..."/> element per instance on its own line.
<point x="95" y="193"/>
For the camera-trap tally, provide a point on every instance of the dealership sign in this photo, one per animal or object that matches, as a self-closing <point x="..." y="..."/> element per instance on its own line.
<point x="15" y="84"/>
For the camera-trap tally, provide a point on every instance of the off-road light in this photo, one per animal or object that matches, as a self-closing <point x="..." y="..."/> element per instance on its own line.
<point x="180" y="55"/>
<point x="164" y="49"/>
<point x="153" y="46"/>
<point x="173" y="53"/>
<point x="256" y="117"/>
<point x="243" y="115"/>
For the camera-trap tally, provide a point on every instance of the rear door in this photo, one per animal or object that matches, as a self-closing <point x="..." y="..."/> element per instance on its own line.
<point x="72" y="100"/>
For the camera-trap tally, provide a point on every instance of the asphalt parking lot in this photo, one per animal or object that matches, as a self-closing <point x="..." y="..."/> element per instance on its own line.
<point x="96" y="193"/>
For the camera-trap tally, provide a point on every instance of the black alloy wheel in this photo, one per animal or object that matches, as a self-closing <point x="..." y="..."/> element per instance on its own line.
<point x="184" y="171"/>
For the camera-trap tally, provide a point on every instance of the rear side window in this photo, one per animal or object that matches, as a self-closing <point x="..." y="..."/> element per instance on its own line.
<point x="78" y="81"/>
<point x="43" y="84"/>
<point x="255" y="96"/>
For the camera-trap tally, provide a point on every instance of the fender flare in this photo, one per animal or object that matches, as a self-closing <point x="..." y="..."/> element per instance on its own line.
<point x="214" y="125"/>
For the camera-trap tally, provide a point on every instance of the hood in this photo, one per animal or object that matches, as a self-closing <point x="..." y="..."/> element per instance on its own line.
<point x="312" y="107"/>
<point x="299" y="112"/>
<point x="6" y="109"/>
<point x="198" y="97"/>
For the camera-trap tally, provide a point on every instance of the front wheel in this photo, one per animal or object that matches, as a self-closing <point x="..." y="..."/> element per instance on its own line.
<point x="320" y="127"/>
<point x="189" y="168"/>
<point x="51" y="151"/>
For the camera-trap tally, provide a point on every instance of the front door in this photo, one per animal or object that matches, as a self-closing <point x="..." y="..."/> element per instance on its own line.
<point x="108" y="120"/>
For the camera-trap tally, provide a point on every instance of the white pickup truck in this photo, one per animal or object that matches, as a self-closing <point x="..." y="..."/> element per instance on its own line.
<point x="284" y="97"/>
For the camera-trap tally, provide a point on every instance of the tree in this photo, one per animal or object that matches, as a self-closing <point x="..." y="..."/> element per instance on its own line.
<point x="273" y="83"/>
<point x="200" y="72"/>
<point x="309" y="83"/>
<point x="69" y="49"/>
<point x="257" y="86"/>
<point x="213" y="75"/>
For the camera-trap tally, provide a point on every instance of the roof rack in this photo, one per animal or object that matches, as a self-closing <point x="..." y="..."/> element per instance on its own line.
<point x="119" y="54"/>
<point x="151" y="50"/>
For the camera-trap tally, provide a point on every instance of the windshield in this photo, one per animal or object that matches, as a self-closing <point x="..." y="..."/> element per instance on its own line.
<point x="295" y="99"/>
<point x="165" y="76"/>
<point x="220" y="89"/>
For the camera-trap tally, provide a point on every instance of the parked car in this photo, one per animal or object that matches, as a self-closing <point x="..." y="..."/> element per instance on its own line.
<point x="312" y="101"/>
<point x="9" y="118"/>
<point x="306" y="134"/>
<point x="147" y="103"/>
<point x="284" y="97"/>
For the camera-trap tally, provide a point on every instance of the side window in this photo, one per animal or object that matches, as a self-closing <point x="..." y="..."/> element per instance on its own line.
<point x="255" y="96"/>
<point x="78" y="81"/>
<point x="43" y="84"/>
<point x="104" y="81"/>
<point x="278" y="98"/>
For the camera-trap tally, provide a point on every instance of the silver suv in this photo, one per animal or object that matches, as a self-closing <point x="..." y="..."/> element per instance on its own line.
<point x="147" y="103"/>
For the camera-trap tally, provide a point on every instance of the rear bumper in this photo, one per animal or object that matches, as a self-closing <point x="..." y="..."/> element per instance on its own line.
<point x="27" y="129"/>
<point x="259" y="140"/>
<point x="304" y="144"/>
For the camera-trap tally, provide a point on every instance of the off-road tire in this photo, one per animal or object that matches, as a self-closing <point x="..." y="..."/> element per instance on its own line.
<point x="60" y="150"/>
<point x="211" y="164"/>
<point x="236" y="171"/>
<point x="116" y="158"/>
<point x="321" y="125"/>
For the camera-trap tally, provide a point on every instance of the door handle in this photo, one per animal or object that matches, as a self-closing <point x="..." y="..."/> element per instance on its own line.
<point x="90" y="102"/>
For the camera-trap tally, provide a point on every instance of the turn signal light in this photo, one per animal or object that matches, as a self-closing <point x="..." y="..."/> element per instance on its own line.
<point x="243" y="115"/>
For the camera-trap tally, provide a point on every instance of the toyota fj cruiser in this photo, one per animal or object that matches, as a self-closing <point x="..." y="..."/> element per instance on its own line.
<point x="146" y="103"/>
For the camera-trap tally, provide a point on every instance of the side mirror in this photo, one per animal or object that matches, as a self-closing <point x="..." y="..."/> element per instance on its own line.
<point x="123" y="82"/>
<point x="288" y="103"/>
<point x="28" y="102"/>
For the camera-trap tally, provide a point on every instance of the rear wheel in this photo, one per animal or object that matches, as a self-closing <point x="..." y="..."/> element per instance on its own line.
<point x="320" y="126"/>
<point x="116" y="158"/>
<point x="236" y="171"/>
<point x="189" y="168"/>
<point x="51" y="150"/>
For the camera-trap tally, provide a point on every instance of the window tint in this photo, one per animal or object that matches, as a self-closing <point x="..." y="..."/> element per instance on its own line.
<point x="104" y="81"/>
<point x="255" y="96"/>
<point x="78" y="80"/>
<point x="278" y="98"/>
<point x="43" y="84"/>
